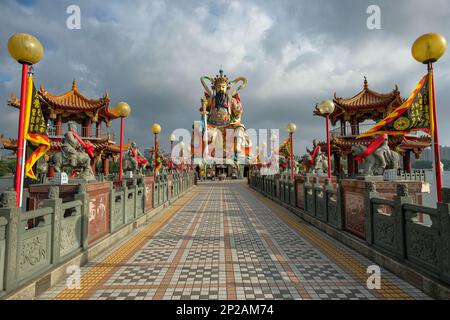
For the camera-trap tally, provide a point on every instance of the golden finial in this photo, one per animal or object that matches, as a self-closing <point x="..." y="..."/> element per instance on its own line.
<point x="74" y="85"/>
<point x="366" y="84"/>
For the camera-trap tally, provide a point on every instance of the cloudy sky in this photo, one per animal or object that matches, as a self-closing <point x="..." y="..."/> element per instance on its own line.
<point x="294" y="54"/>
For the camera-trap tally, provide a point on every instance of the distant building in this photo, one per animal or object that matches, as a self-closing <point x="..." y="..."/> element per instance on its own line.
<point x="427" y="154"/>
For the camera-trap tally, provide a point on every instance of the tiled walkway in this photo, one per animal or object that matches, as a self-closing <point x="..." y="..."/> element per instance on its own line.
<point x="225" y="241"/>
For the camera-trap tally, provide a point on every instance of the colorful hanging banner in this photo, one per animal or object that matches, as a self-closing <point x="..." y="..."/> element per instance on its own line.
<point x="35" y="130"/>
<point x="416" y="113"/>
<point x="285" y="148"/>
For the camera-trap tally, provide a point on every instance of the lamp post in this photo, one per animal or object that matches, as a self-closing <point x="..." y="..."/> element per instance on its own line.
<point x="182" y="155"/>
<point x="156" y="129"/>
<point x="27" y="50"/>
<point x="326" y="107"/>
<point x="291" y="127"/>
<point x="273" y="138"/>
<point x="427" y="49"/>
<point x="122" y="110"/>
<point x="172" y="138"/>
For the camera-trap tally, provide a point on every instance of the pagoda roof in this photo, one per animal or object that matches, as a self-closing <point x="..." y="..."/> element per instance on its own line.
<point x="367" y="98"/>
<point x="71" y="100"/>
<point x="365" y="102"/>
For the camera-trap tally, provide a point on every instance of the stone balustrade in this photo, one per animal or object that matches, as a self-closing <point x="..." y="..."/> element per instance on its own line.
<point x="63" y="224"/>
<point x="386" y="215"/>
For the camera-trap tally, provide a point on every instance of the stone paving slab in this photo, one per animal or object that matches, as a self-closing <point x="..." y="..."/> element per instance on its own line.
<point x="226" y="241"/>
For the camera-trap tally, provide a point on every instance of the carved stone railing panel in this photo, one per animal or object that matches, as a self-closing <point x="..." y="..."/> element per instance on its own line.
<point x="130" y="203"/>
<point x="422" y="246"/>
<point x="424" y="243"/>
<point x="383" y="226"/>
<point x="333" y="209"/>
<point x="117" y="209"/>
<point x="99" y="210"/>
<point x="320" y="204"/>
<point x="139" y="201"/>
<point x="34" y="245"/>
<point x="156" y="186"/>
<point x="310" y="199"/>
<point x="71" y="229"/>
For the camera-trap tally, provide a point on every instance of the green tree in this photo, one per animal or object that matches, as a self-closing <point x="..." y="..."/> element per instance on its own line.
<point x="7" y="167"/>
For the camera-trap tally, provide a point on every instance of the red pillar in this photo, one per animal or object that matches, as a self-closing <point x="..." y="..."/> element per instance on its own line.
<point x="87" y="129"/>
<point x="20" y="137"/>
<point x="155" y="156"/>
<point x="437" y="151"/>
<point x="407" y="166"/>
<point x="105" y="166"/>
<point x="93" y="165"/>
<point x="121" y="151"/>
<point x="350" y="164"/>
<point x="98" y="129"/>
<point x="171" y="158"/>
<point x="327" y="119"/>
<point x="59" y="125"/>
<point x="51" y="171"/>
<point x="292" y="155"/>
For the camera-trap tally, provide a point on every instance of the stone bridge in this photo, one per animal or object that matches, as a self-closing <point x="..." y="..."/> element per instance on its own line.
<point x="224" y="240"/>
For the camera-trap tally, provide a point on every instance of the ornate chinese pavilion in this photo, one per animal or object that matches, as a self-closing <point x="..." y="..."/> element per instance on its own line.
<point x="90" y="114"/>
<point x="349" y="117"/>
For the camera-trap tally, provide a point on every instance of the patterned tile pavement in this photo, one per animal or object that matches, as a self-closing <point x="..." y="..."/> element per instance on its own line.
<point x="225" y="241"/>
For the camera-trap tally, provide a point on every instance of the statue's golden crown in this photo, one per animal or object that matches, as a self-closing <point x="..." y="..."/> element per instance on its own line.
<point x="220" y="79"/>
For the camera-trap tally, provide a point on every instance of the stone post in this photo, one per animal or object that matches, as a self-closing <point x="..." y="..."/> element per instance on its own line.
<point x="401" y="198"/>
<point x="55" y="203"/>
<point x="11" y="214"/>
<point x="84" y="197"/>
<point x="370" y="192"/>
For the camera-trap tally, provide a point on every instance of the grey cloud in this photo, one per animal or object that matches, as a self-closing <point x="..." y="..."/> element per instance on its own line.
<point x="152" y="54"/>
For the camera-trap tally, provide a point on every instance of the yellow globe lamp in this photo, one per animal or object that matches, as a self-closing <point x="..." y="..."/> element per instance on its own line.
<point x="326" y="107"/>
<point x="25" y="48"/>
<point x="122" y="109"/>
<point x="156" y="128"/>
<point x="429" y="47"/>
<point x="291" y="127"/>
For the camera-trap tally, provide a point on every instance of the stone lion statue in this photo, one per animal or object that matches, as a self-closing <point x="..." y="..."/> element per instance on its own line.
<point x="320" y="165"/>
<point x="376" y="162"/>
<point x="74" y="154"/>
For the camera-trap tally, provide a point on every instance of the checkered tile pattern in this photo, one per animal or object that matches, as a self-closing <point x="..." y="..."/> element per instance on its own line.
<point x="229" y="243"/>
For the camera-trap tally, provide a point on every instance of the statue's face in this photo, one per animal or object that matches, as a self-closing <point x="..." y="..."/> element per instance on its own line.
<point x="221" y="87"/>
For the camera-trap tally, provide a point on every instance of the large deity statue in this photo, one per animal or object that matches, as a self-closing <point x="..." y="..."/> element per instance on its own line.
<point x="224" y="110"/>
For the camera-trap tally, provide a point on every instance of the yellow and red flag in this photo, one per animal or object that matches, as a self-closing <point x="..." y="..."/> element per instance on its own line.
<point x="416" y="113"/>
<point x="35" y="130"/>
<point x="285" y="148"/>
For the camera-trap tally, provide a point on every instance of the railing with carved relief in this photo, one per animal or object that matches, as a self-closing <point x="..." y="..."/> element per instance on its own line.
<point x="399" y="228"/>
<point x="413" y="234"/>
<point x="64" y="225"/>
